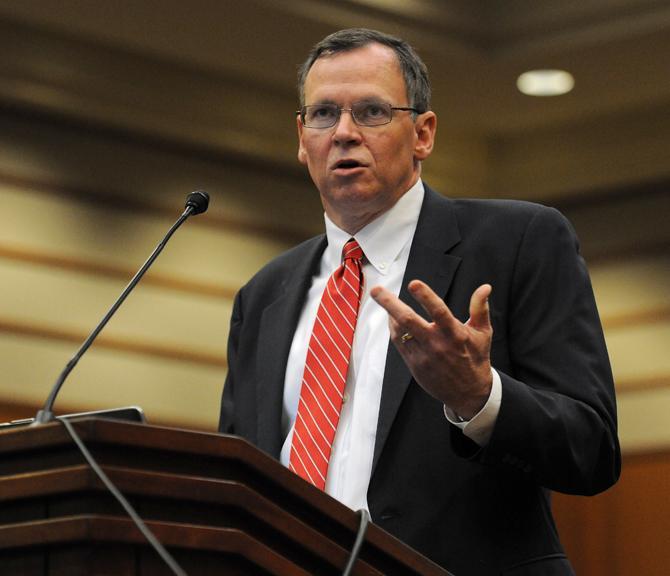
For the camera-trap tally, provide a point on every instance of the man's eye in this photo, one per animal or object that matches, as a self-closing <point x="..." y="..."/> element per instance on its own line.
<point x="322" y="112"/>
<point x="373" y="111"/>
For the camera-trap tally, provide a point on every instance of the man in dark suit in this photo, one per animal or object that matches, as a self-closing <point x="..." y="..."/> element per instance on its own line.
<point x="478" y="378"/>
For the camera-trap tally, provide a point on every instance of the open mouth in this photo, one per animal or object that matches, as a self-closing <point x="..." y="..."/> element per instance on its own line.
<point x="347" y="164"/>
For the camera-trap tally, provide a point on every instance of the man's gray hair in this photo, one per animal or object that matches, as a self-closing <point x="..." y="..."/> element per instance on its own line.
<point x="413" y="69"/>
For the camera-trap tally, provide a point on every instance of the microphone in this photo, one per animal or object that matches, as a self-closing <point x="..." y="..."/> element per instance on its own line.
<point x="196" y="203"/>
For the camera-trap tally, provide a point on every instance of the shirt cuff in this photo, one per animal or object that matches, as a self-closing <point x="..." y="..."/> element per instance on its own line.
<point x="480" y="427"/>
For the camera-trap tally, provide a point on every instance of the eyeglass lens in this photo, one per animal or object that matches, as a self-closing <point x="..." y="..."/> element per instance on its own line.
<point x="364" y="114"/>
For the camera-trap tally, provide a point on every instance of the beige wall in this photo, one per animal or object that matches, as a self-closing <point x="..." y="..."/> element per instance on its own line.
<point x="625" y="240"/>
<point x="83" y="208"/>
<point x="81" y="211"/>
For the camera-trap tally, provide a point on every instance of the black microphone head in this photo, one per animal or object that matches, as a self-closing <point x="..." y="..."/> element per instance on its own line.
<point x="198" y="200"/>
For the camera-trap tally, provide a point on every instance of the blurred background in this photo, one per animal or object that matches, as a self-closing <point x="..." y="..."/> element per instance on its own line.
<point x="111" y="112"/>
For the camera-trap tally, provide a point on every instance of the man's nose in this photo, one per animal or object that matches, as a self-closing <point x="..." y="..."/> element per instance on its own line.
<point x="346" y="129"/>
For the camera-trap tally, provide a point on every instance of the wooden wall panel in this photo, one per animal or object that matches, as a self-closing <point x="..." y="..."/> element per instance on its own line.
<point x="625" y="530"/>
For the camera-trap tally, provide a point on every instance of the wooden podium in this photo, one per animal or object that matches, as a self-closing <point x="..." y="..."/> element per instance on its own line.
<point x="219" y="505"/>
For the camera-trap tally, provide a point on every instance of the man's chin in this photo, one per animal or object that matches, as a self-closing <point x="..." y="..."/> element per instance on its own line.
<point x="354" y="194"/>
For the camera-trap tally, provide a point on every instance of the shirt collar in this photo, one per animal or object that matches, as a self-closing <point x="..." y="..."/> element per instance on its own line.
<point x="382" y="239"/>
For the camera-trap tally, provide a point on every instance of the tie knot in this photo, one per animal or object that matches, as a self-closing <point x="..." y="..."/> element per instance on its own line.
<point x="352" y="251"/>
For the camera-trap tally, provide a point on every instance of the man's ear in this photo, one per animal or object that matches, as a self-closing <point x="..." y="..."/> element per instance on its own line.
<point x="425" y="126"/>
<point x="302" y="153"/>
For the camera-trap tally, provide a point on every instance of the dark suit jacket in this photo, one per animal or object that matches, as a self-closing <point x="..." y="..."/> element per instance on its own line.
<point x="474" y="511"/>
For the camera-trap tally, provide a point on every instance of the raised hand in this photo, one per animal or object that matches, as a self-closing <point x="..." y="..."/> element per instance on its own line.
<point x="448" y="358"/>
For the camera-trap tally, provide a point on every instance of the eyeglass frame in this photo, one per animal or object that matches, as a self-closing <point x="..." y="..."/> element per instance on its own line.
<point x="340" y="109"/>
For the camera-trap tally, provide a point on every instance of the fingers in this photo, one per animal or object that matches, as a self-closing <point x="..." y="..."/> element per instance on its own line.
<point x="403" y="318"/>
<point x="407" y="320"/>
<point x="479" y="308"/>
<point x="434" y="305"/>
<point x="448" y="359"/>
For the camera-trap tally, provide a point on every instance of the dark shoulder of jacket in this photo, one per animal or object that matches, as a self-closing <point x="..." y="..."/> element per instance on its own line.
<point x="476" y="218"/>
<point x="519" y="211"/>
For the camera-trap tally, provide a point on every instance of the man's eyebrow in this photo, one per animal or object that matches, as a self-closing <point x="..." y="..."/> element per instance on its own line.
<point x="323" y="101"/>
<point x="367" y="100"/>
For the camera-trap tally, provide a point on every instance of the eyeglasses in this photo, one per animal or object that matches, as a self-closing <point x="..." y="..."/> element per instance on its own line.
<point x="364" y="114"/>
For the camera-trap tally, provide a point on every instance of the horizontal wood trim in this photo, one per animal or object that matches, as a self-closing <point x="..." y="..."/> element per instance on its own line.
<point x="80" y="265"/>
<point x="622" y="254"/>
<point x="292" y="235"/>
<point x="629" y="385"/>
<point x="648" y="457"/>
<point x="141" y="347"/>
<point x="118" y="200"/>
<point x="595" y="197"/>
<point x="655" y="315"/>
<point x="590" y="199"/>
<point x="147" y="348"/>
<point x="658" y="315"/>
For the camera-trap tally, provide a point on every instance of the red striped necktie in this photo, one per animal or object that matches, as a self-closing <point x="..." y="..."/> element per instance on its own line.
<point x="322" y="388"/>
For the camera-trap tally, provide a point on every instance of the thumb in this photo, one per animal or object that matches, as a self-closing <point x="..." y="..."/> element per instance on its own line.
<point x="479" y="308"/>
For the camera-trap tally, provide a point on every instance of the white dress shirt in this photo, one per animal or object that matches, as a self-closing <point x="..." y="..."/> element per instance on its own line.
<point x="386" y="243"/>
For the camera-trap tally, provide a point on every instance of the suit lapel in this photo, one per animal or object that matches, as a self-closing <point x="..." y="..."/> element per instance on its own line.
<point x="278" y="324"/>
<point x="436" y="233"/>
